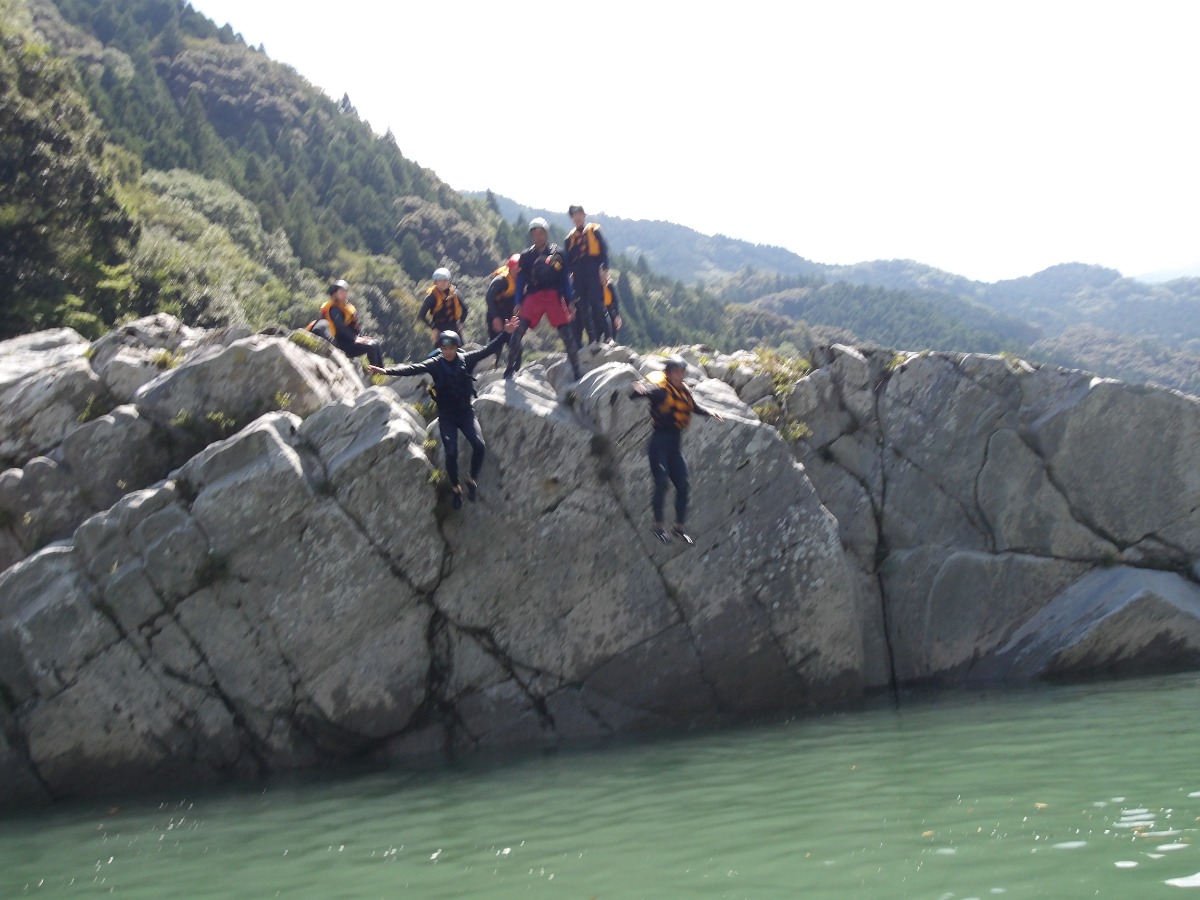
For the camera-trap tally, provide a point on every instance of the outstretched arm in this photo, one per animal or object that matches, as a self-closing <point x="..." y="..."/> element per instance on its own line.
<point x="422" y="368"/>
<point x="471" y="360"/>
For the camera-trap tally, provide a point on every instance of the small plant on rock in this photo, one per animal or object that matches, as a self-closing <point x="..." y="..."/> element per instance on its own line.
<point x="785" y="371"/>
<point x="793" y="431"/>
<point x="308" y="341"/>
<point x="164" y="359"/>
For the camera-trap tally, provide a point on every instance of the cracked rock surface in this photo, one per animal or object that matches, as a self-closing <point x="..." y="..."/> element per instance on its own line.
<point x="978" y="495"/>
<point x="299" y="591"/>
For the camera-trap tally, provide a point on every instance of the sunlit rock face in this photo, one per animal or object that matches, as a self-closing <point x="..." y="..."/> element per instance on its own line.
<point x="225" y="555"/>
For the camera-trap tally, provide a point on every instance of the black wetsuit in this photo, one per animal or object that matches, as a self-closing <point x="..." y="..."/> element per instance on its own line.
<point x="587" y="252"/>
<point x="454" y="388"/>
<point x="671" y="411"/>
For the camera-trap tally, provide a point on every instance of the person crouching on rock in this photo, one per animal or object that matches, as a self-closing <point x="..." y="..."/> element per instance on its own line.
<point x="671" y="409"/>
<point x="338" y="324"/>
<point x="454" y="391"/>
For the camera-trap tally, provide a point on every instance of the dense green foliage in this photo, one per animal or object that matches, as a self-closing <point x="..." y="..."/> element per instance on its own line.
<point x="1121" y="356"/>
<point x="172" y="167"/>
<point x="61" y="223"/>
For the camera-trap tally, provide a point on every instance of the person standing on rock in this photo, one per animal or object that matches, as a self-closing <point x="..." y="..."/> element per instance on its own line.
<point x="454" y="393"/>
<point x="443" y="309"/>
<point x="338" y="324"/>
<point x="500" y="297"/>
<point x="543" y="288"/>
<point x="587" y="258"/>
<point x="671" y="408"/>
<point x="612" y="311"/>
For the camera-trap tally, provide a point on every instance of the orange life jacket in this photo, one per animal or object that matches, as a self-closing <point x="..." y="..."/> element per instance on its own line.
<point x="349" y="314"/>
<point x="675" y="410"/>
<point x="447" y="307"/>
<point x="589" y="233"/>
<point x="510" y="278"/>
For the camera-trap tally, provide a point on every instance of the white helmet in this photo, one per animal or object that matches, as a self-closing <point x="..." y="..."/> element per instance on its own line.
<point x="440" y="273"/>
<point x="539" y="222"/>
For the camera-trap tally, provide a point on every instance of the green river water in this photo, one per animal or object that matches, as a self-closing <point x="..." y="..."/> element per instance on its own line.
<point x="1055" y="791"/>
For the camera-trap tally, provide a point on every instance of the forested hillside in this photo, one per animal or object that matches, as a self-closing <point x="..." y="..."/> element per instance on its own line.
<point x="154" y="161"/>
<point x="225" y="188"/>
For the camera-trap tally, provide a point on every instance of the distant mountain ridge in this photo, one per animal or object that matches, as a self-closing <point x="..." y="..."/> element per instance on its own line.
<point x="1073" y="313"/>
<point x="232" y="189"/>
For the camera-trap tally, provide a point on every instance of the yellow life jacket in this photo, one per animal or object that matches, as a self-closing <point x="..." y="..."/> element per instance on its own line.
<point x="608" y="294"/>
<point x="675" y="410"/>
<point x="349" y="313"/>
<point x="510" y="278"/>
<point x="447" y="308"/>
<point x="589" y="233"/>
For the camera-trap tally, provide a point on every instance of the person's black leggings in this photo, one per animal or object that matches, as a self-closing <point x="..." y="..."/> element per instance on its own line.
<point x="450" y="423"/>
<point x="668" y="465"/>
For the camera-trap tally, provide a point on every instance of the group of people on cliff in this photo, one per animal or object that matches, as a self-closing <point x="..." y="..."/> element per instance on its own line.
<point x="571" y="287"/>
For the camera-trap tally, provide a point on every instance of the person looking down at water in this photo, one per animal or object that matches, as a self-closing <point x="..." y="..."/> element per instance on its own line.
<point x="443" y="309"/>
<point x="454" y="393"/>
<point x="671" y="408"/>
<point x="543" y="288"/>
<point x="338" y="324"/>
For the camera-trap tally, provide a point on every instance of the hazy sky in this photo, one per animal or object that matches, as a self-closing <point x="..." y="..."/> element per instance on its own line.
<point x="990" y="139"/>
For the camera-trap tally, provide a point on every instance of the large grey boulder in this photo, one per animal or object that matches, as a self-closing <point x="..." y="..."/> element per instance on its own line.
<point x="300" y="591"/>
<point x="48" y="392"/>
<point x="241" y="381"/>
<point x="976" y="491"/>
<point x="190" y="387"/>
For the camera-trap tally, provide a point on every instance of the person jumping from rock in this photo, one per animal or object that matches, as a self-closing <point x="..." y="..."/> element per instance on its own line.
<point x="454" y="391"/>
<point x="543" y="288"/>
<point x="671" y="409"/>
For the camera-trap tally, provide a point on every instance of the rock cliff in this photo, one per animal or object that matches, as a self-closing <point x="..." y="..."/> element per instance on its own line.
<point x="225" y="554"/>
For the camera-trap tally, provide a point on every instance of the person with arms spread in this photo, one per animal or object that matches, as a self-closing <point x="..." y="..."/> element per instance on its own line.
<point x="671" y="408"/>
<point x="454" y="393"/>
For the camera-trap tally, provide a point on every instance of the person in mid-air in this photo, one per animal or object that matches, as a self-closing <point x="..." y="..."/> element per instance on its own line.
<point x="454" y="393"/>
<point x="671" y="408"/>
<point x="338" y="324"/>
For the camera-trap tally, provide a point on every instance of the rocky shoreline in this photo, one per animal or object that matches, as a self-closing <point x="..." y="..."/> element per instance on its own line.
<point x="225" y="554"/>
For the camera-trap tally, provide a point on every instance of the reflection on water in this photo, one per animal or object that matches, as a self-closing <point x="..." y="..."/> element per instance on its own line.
<point x="1052" y="792"/>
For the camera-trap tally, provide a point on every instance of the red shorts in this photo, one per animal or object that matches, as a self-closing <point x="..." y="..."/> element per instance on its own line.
<point x="549" y="303"/>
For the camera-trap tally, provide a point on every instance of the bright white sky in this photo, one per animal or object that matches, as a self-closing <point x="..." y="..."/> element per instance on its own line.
<point x="990" y="138"/>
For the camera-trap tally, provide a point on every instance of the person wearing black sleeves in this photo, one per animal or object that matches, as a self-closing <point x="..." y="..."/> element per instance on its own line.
<point x="454" y="392"/>
<point x="587" y="258"/>
<point x="338" y="324"/>
<point x="443" y="309"/>
<point x="543" y="288"/>
<point x="671" y="409"/>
